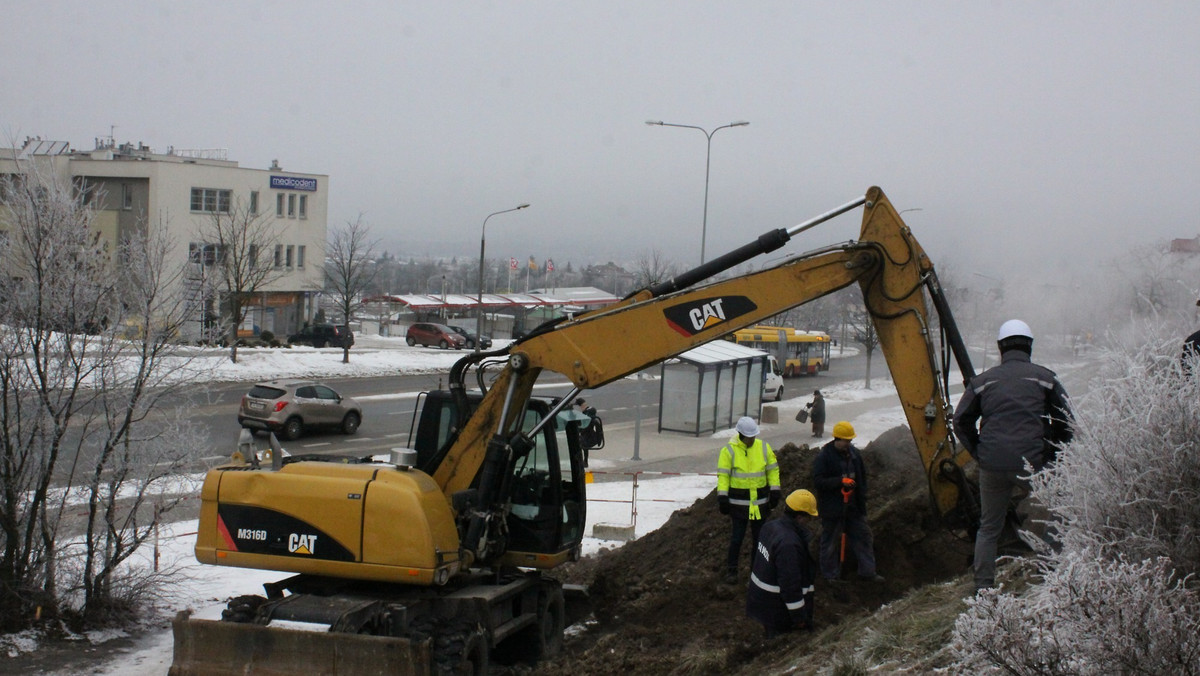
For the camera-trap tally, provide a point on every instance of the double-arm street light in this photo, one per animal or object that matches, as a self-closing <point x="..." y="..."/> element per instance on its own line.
<point x="482" y="244"/>
<point x="707" y="157"/>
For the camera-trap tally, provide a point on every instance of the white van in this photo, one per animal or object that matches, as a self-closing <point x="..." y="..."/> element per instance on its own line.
<point x="772" y="381"/>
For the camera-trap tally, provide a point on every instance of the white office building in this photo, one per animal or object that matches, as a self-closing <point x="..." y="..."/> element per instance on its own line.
<point x="181" y="190"/>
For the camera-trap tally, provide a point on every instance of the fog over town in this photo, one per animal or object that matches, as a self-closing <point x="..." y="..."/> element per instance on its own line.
<point x="1020" y="137"/>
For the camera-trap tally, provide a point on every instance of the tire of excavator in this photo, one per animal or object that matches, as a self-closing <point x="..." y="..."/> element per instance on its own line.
<point x="460" y="649"/>
<point x="544" y="639"/>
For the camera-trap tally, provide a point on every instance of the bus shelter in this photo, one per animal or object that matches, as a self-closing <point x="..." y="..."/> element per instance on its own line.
<point x="710" y="386"/>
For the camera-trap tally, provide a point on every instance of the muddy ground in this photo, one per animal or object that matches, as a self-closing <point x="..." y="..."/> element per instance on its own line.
<point x="659" y="606"/>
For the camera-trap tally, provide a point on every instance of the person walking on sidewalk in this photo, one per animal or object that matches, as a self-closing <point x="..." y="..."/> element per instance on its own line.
<point x="780" y="594"/>
<point x="841" y="480"/>
<point x="816" y="414"/>
<point x="1009" y="415"/>
<point x="747" y="488"/>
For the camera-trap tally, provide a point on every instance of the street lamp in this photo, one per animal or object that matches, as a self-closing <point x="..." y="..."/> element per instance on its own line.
<point x="482" y="244"/>
<point x="707" y="157"/>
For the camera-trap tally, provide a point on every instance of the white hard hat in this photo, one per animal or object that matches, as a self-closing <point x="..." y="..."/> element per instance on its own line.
<point x="747" y="427"/>
<point x="1014" y="327"/>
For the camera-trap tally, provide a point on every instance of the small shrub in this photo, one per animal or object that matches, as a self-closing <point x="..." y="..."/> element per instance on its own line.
<point x="267" y="337"/>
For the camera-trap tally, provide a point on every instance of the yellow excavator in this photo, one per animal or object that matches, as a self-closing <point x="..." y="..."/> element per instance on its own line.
<point x="432" y="562"/>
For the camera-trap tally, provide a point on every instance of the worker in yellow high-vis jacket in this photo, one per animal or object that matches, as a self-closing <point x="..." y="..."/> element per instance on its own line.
<point x="747" y="487"/>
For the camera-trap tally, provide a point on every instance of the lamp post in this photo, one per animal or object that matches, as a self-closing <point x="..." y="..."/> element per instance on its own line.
<point x="707" y="157"/>
<point x="482" y="245"/>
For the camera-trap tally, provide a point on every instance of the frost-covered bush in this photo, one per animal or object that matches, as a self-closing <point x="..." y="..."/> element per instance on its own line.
<point x="1120" y="596"/>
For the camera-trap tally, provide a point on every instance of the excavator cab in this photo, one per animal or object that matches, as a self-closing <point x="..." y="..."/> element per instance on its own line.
<point x="543" y="487"/>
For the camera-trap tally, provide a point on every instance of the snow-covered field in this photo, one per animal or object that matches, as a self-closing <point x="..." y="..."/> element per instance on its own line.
<point x="204" y="589"/>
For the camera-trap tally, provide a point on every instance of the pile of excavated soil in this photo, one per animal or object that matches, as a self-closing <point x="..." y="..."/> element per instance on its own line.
<point x="659" y="606"/>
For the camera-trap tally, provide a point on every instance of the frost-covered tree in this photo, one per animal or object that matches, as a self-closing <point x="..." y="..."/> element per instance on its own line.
<point x="86" y="331"/>
<point x="1120" y="595"/>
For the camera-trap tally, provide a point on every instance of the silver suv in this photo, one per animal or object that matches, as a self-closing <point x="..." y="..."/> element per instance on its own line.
<point x="289" y="407"/>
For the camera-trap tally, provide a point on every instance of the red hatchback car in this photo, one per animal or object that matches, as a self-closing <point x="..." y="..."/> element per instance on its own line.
<point x="428" y="333"/>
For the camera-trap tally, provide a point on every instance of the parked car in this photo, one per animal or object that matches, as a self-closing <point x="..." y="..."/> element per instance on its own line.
<point x="484" y="343"/>
<point x="289" y="407"/>
<point x="427" y="333"/>
<point x="321" y="335"/>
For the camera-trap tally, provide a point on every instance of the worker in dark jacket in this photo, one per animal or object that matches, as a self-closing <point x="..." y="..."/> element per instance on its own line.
<point x="1191" y="350"/>
<point x="780" y="595"/>
<point x="1009" y="415"/>
<point x="816" y="414"/>
<point x="841" y="480"/>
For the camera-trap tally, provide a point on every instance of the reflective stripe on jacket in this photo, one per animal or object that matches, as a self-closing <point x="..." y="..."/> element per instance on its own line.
<point x="743" y="474"/>
<point x="780" y="594"/>
<point x="1019" y="408"/>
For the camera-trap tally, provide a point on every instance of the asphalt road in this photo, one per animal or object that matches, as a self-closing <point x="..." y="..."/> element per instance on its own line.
<point x="389" y="407"/>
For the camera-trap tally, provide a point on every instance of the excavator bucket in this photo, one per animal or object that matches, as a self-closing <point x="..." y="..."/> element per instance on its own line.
<point x="215" y="648"/>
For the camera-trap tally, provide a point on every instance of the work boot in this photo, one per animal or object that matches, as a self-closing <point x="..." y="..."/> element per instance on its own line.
<point x="730" y="577"/>
<point x="871" y="578"/>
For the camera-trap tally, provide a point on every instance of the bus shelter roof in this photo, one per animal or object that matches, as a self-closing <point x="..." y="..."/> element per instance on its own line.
<point x="719" y="351"/>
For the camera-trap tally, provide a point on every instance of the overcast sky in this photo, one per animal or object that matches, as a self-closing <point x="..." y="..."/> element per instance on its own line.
<point x="1043" y="133"/>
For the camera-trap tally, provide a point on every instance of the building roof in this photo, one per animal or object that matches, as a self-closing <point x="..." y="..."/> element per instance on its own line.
<point x="580" y="295"/>
<point x="421" y="302"/>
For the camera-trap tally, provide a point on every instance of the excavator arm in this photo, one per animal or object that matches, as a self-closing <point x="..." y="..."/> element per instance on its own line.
<point x="656" y="323"/>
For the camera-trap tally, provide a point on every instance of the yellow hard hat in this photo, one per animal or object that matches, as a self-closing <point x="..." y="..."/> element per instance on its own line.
<point x="802" y="501"/>
<point x="843" y="430"/>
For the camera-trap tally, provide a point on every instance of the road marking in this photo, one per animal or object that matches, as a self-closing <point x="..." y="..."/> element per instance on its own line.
<point x="324" y="443"/>
<point x="414" y="395"/>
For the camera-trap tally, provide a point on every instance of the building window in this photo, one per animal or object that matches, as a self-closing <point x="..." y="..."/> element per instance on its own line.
<point x="291" y="206"/>
<point x="253" y="202"/>
<point x="300" y="256"/>
<point x="211" y="200"/>
<point x="207" y="255"/>
<point x="279" y="255"/>
<point x="126" y="196"/>
<point x="304" y="206"/>
<point x="279" y="205"/>
<point x="253" y="256"/>
<point x="291" y="250"/>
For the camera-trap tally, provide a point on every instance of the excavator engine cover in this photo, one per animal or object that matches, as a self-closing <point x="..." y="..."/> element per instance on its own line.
<point x="364" y="521"/>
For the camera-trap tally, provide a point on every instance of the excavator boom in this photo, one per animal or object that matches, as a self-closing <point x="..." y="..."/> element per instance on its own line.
<point x="895" y="276"/>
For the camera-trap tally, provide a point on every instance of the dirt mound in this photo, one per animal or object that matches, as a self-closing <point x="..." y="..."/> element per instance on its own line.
<point x="659" y="606"/>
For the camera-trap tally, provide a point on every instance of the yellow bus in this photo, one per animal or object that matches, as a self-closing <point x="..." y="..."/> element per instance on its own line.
<point x="800" y="353"/>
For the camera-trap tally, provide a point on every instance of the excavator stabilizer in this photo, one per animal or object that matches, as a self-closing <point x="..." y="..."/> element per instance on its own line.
<point x="215" y="648"/>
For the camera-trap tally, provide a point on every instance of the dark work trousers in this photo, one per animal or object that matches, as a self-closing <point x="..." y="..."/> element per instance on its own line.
<point x="735" y="540"/>
<point x="859" y="543"/>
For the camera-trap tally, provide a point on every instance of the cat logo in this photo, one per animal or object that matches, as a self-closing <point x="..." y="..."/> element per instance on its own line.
<point x="698" y="315"/>
<point x="302" y="544"/>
